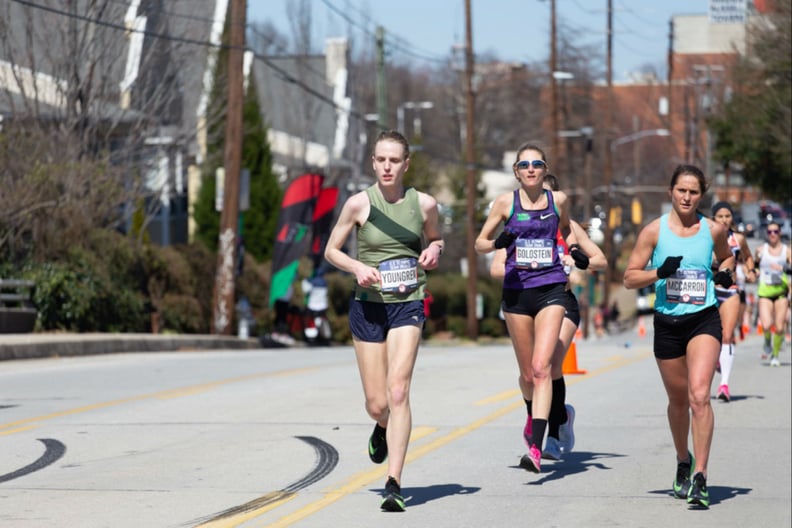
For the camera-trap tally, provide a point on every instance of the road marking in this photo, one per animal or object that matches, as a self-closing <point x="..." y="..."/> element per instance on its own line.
<point x="18" y="430"/>
<point x="170" y="393"/>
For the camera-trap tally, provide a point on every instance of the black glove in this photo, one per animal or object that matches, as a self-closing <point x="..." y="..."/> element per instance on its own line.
<point x="505" y="239"/>
<point x="668" y="267"/>
<point x="580" y="258"/>
<point x="723" y="278"/>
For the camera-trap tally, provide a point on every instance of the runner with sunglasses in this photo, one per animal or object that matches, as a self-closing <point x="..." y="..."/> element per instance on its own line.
<point x="534" y="282"/>
<point x="560" y="426"/>
<point x="774" y="260"/>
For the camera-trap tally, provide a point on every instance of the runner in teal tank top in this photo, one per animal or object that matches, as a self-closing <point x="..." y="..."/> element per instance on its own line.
<point x="689" y="289"/>
<point x="386" y="314"/>
<point x="678" y="248"/>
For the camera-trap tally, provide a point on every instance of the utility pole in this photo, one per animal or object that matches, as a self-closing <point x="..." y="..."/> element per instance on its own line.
<point x="554" y="82"/>
<point x="229" y="218"/>
<point x="670" y="78"/>
<point x="472" y="184"/>
<point x="382" y="95"/>
<point x="608" y="173"/>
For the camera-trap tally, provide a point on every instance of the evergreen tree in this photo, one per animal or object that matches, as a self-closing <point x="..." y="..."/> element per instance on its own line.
<point x="260" y="221"/>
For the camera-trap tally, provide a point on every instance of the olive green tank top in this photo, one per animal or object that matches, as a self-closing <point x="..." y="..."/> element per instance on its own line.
<point x="391" y="241"/>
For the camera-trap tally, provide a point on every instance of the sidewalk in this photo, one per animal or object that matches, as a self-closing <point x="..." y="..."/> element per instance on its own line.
<point x="28" y="346"/>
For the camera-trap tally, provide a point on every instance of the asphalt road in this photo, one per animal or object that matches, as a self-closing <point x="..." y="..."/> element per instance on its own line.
<point x="277" y="438"/>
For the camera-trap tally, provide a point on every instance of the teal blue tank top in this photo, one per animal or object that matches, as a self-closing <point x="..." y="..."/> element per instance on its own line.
<point x="690" y="289"/>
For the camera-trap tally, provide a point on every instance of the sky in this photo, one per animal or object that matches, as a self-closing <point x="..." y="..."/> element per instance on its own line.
<point x="513" y="30"/>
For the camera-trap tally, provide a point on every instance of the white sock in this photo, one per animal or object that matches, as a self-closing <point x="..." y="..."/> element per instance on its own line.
<point x="726" y="361"/>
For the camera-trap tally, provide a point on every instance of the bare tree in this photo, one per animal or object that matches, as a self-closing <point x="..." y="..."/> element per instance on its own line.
<point x="94" y="102"/>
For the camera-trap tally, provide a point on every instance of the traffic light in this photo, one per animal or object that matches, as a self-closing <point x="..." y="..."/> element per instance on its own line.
<point x="615" y="217"/>
<point x="637" y="216"/>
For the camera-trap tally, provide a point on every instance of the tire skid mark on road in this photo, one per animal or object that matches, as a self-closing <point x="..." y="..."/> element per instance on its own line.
<point x="273" y="500"/>
<point x="53" y="451"/>
<point x="327" y="460"/>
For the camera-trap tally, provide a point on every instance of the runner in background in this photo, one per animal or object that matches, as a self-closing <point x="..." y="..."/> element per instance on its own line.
<point x="774" y="259"/>
<point x="729" y="299"/>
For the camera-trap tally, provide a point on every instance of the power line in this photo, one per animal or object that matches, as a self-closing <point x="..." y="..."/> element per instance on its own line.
<point x="283" y="74"/>
<point x="406" y="49"/>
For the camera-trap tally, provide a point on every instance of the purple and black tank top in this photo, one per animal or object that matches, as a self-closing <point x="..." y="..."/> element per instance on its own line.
<point x="532" y="260"/>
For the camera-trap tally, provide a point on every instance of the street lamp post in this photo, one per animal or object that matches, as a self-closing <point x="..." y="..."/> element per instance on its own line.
<point x="608" y="230"/>
<point x="638" y="135"/>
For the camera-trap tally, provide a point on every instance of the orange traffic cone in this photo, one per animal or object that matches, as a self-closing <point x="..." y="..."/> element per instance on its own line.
<point x="641" y="327"/>
<point x="570" y="361"/>
<point x="579" y="333"/>
<point x="759" y="328"/>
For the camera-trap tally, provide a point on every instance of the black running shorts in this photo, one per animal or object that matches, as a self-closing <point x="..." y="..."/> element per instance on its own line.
<point x="673" y="333"/>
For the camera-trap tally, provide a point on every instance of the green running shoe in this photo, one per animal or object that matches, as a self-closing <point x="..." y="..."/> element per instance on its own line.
<point x="392" y="500"/>
<point x="378" y="445"/>
<point x="682" y="481"/>
<point x="699" y="496"/>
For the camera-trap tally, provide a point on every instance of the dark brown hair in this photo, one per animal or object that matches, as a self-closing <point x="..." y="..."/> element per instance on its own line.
<point x="689" y="170"/>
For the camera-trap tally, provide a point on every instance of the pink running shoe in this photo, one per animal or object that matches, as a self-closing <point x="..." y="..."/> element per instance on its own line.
<point x="532" y="461"/>
<point x="723" y="393"/>
<point x="528" y="431"/>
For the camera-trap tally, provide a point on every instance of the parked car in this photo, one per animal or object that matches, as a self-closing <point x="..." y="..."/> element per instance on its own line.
<point x="786" y="230"/>
<point x="745" y="227"/>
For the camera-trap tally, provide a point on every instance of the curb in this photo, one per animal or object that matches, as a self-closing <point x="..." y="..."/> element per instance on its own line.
<point x="30" y="346"/>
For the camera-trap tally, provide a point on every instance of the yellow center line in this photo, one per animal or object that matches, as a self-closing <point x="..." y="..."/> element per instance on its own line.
<point x="18" y="430"/>
<point x="170" y="393"/>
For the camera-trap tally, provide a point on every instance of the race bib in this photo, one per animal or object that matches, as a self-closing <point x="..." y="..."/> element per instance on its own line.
<point x="772" y="277"/>
<point x="532" y="253"/>
<point x="687" y="286"/>
<point x="399" y="275"/>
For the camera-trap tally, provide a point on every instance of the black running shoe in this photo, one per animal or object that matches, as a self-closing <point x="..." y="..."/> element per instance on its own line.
<point x="378" y="445"/>
<point x="392" y="500"/>
<point x="699" y="496"/>
<point x="682" y="481"/>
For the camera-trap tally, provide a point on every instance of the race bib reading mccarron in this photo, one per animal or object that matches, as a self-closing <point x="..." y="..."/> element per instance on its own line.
<point x="687" y="286"/>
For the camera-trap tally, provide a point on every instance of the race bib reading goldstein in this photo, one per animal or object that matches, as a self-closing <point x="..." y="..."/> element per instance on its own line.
<point x="533" y="253"/>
